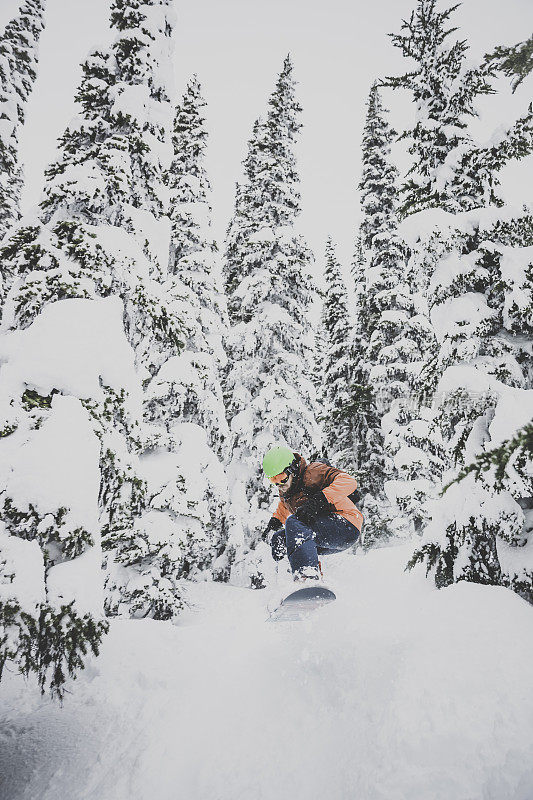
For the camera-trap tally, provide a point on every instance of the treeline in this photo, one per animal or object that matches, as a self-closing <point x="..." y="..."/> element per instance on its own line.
<point x="144" y="369"/>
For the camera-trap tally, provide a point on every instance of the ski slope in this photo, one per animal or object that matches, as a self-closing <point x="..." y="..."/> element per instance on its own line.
<point x="394" y="692"/>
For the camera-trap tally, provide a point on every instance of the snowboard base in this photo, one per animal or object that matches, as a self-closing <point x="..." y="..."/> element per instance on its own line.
<point x="300" y="603"/>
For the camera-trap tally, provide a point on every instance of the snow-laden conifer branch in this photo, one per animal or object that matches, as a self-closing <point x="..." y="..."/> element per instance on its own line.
<point x="515" y="62"/>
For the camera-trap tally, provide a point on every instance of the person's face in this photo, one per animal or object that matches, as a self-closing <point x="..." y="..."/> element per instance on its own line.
<point x="283" y="481"/>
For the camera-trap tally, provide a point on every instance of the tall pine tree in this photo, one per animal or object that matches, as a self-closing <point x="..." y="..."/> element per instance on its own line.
<point x="362" y="399"/>
<point x="392" y="339"/>
<point x="122" y="141"/>
<point x="270" y="394"/>
<point x="444" y="89"/>
<point x="93" y="289"/>
<point x="470" y="257"/>
<point x="382" y="266"/>
<point x="194" y="259"/>
<point x="187" y="391"/>
<point x="336" y="366"/>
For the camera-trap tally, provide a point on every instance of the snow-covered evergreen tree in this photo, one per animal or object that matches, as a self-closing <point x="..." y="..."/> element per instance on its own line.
<point x="449" y="171"/>
<point x="444" y="89"/>
<point x="505" y="471"/>
<point x="391" y="339"/>
<point x="270" y="395"/>
<point x="18" y="64"/>
<point x="470" y="256"/>
<point x="336" y="412"/>
<point x="103" y="233"/>
<point x="122" y="144"/>
<point x="186" y="393"/>
<point x="481" y="307"/>
<point x="443" y="174"/>
<point x="193" y="258"/>
<point x="379" y="177"/>
<point x="64" y="377"/>
<point x="362" y="400"/>
<point x="382" y="270"/>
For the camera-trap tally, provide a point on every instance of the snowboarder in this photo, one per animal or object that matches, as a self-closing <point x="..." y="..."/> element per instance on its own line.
<point x="315" y="514"/>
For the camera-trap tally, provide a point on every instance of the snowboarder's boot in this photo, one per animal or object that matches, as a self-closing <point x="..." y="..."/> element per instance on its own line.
<point x="309" y="574"/>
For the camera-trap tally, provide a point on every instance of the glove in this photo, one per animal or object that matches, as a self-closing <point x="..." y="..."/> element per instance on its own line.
<point x="273" y="525"/>
<point x="278" y="545"/>
<point x="356" y="497"/>
<point x="317" y="505"/>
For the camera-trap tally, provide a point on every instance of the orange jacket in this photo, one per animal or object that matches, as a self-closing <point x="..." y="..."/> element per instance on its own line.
<point x="335" y="484"/>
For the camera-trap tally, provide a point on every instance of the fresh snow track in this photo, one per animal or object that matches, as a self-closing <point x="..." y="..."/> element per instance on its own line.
<point x="393" y="692"/>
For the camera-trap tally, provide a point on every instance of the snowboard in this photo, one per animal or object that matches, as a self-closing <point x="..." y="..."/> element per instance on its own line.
<point x="297" y="605"/>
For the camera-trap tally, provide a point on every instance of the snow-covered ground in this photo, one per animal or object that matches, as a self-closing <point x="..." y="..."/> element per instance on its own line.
<point x="394" y="692"/>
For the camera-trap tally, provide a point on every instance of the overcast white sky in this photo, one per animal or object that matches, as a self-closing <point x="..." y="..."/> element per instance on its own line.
<point x="237" y="47"/>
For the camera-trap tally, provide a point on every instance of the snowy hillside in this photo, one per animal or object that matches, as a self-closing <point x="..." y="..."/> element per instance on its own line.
<point x="395" y="691"/>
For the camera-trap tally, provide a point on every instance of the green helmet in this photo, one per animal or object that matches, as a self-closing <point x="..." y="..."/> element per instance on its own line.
<point x="276" y="460"/>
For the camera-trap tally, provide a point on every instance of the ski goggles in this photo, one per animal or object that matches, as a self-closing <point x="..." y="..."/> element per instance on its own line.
<point x="279" y="480"/>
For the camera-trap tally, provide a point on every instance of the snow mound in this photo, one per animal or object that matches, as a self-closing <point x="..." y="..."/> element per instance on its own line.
<point x="60" y="459"/>
<point x="44" y="358"/>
